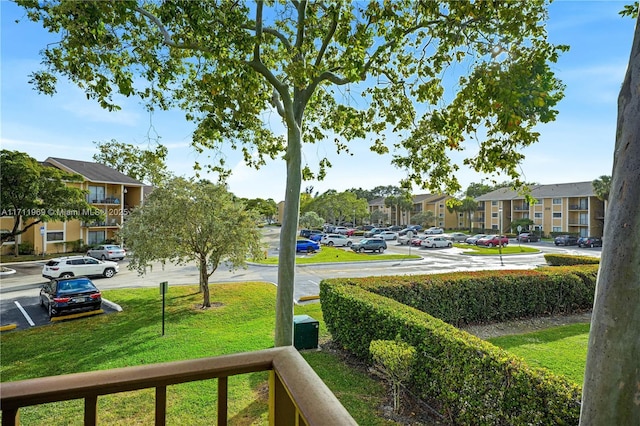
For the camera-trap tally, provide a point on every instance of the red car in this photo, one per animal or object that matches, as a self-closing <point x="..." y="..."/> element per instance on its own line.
<point x="492" y="241"/>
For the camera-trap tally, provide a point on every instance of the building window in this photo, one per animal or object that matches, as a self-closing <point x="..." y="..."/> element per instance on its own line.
<point x="96" y="237"/>
<point x="557" y="201"/>
<point x="557" y="215"/>
<point x="441" y="215"/>
<point x="537" y="215"/>
<point x="96" y="194"/>
<point x="441" y="206"/>
<point x="494" y="203"/>
<point x="494" y="227"/>
<point x="556" y="229"/>
<point x="494" y="214"/>
<point x="55" y="236"/>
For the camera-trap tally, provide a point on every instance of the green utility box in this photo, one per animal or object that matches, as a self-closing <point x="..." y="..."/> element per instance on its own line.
<point x="305" y="332"/>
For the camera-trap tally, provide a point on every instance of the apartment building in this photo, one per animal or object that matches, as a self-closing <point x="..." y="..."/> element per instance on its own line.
<point x="422" y="203"/>
<point x="109" y="190"/>
<point x="571" y="208"/>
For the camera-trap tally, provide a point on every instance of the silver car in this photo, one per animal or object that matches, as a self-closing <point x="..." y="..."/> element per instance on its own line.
<point x="107" y="252"/>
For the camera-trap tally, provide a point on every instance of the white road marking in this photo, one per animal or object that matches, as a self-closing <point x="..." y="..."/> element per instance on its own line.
<point x="26" y="315"/>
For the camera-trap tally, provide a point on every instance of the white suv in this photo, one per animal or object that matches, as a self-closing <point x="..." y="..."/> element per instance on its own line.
<point x="335" y="240"/>
<point x="71" y="266"/>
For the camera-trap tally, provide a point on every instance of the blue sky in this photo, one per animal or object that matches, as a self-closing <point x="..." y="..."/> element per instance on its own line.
<point x="577" y="147"/>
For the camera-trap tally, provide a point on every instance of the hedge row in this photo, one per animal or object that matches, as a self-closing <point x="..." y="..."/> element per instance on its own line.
<point x="570" y="259"/>
<point x="468" y="380"/>
<point x="488" y="296"/>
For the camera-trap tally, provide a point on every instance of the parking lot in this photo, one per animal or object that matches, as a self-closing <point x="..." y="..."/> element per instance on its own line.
<point x="19" y="293"/>
<point x="25" y="312"/>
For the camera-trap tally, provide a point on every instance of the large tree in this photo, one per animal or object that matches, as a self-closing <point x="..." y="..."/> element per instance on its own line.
<point x="33" y="193"/>
<point x="145" y="165"/>
<point x="186" y="221"/>
<point x="338" y="207"/>
<point x="611" y="389"/>
<point x="339" y="70"/>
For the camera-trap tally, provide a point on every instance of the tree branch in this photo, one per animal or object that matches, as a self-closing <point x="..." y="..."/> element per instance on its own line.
<point x="328" y="37"/>
<point x="165" y="34"/>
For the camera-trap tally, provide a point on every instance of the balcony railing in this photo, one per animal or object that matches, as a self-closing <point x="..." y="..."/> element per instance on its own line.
<point x="297" y="396"/>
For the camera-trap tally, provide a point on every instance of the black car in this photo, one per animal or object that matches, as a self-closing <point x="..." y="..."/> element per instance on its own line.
<point x="528" y="237"/>
<point x="565" y="240"/>
<point x="67" y="295"/>
<point x="370" y="244"/>
<point x="590" y="242"/>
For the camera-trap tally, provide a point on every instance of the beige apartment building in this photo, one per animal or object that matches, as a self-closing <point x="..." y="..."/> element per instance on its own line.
<point x="571" y="208"/>
<point x="111" y="191"/>
<point x="435" y="203"/>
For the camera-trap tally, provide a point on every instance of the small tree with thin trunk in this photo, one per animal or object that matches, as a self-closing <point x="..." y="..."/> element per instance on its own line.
<point x="187" y="221"/>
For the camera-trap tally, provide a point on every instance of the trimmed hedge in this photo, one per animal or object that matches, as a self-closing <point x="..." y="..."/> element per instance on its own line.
<point x="489" y="296"/>
<point x="570" y="259"/>
<point x="470" y="381"/>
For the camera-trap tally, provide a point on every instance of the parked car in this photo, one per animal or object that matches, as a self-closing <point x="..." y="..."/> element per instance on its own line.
<point x="316" y="236"/>
<point x="493" y="241"/>
<point x="417" y="240"/>
<point x="439" y="241"/>
<point x="68" y="295"/>
<point x="340" y="230"/>
<point x="474" y="239"/>
<point x="590" y="242"/>
<point x="527" y="237"/>
<point x="565" y="240"/>
<point x="350" y="232"/>
<point x="388" y="235"/>
<point x="336" y="240"/>
<point x="434" y="230"/>
<point x="307" y="245"/>
<point x="73" y="266"/>
<point x="107" y="252"/>
<point x="369" y="244"/>
<point x="374" y="231"/>
<point x="457" y="237"/>
<point x="416" y="228"/>
<point x="395" y="228"/>
<point x="306" y="233"/>
<point x="404" y="240"/>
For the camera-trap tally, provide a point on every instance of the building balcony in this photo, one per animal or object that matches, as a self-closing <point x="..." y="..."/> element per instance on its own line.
<point x="577" y="207"/>
<point x="297" y="396"/>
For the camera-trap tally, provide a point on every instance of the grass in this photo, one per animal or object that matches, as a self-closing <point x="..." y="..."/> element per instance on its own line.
<point x="243" y="321"/>
<point x="474" y="250"/>
<point x="334" y="254"/>
<point x="562" y="350"/>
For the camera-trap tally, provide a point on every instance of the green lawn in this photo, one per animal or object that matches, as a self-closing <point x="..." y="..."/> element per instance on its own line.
<point x="562" y="350"/>
<point x="243" y="321"/>
<point x="335" y="254"/>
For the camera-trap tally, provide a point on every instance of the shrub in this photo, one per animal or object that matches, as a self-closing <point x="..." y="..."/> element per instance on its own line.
<point x="25" y="248"/>
<point x="469" y="380"/>
<point x="395" y="360"/>
<point x="570" y="259"/>
<point x="489" y="296"/>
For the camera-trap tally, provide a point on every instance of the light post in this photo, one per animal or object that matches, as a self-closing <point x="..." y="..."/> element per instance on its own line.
<point x="500" y="236"/>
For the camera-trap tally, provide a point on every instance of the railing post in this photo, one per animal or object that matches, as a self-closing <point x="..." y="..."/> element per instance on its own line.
<point x="223" y="383"/>
<point x="10" y="416"/>
<point x="91" y="410"/>
<point x="161" y="405"/>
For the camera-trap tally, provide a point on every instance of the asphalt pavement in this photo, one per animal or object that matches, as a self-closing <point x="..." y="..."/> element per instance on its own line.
<point x="19" y="292"/>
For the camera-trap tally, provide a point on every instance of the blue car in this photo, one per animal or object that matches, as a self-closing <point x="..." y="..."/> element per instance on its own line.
<point x="307" y="246"/>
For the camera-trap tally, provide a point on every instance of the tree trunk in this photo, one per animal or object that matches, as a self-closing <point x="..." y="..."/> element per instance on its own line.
<point x="288" y="233"/>
<point x="611" y="390"/>
<point x="204" y="284"/>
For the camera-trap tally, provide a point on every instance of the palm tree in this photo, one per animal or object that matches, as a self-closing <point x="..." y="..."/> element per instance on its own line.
<point x="601" y="187"/>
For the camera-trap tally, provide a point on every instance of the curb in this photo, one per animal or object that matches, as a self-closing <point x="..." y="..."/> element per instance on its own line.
<point x="112" y="305"/>
<point x="8" y="327"/>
